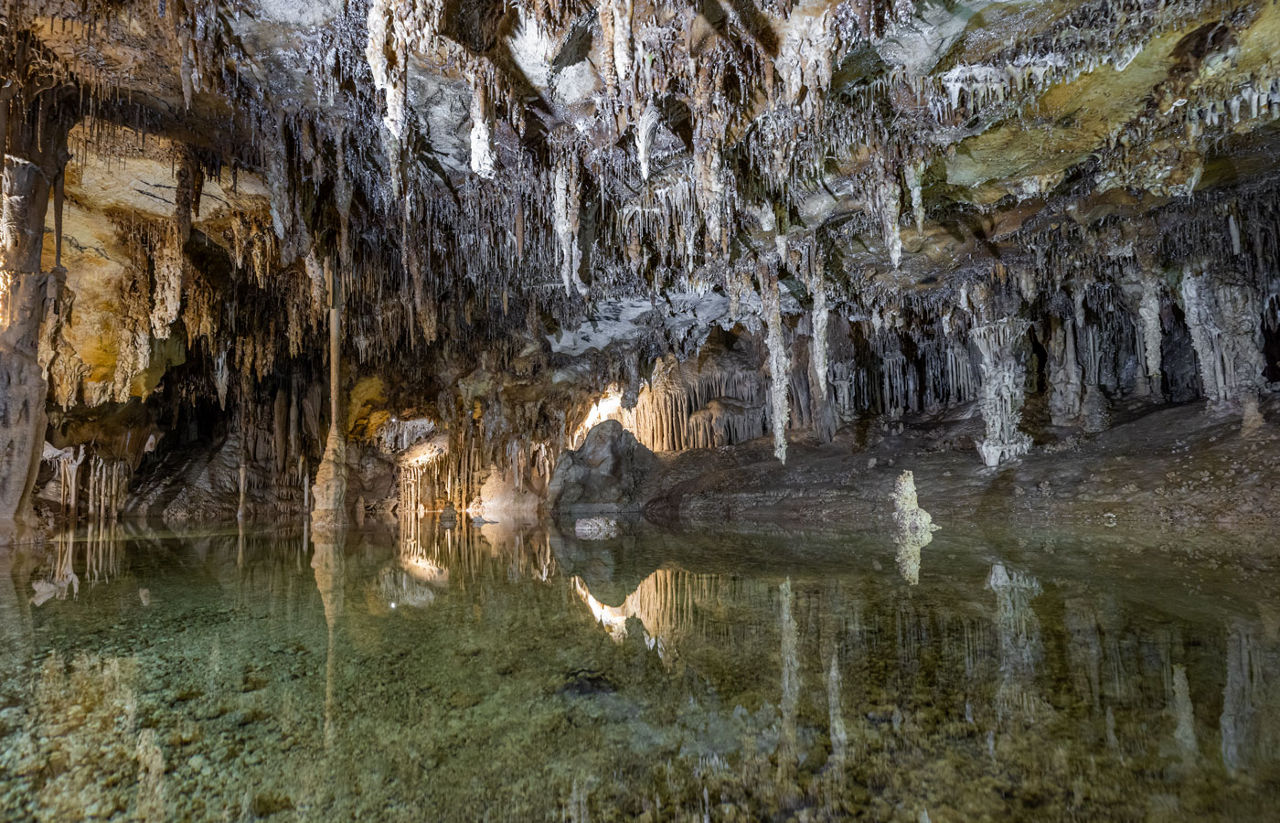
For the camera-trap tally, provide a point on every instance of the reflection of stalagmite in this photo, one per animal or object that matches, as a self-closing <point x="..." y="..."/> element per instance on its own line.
<point x="330" y="571"/>
<point x="913" y="527"/>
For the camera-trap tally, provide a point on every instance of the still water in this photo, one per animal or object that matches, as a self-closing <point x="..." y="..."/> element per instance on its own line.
<point x="521" y="674"/>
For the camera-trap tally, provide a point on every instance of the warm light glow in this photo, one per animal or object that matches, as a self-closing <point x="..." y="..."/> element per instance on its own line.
<point x="424" y="570"/>
<point x="607" y="407"/>
<point x="613" y="618"/>
<point x="5" y="280"/>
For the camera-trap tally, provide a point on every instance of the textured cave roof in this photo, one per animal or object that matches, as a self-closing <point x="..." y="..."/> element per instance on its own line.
<point x="1104" y="134"/>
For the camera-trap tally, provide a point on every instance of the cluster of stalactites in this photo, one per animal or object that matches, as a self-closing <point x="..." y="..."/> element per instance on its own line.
<point x="1003" y="390"/>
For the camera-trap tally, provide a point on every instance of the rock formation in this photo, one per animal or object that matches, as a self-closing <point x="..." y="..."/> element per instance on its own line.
<point x="821" y="222"/>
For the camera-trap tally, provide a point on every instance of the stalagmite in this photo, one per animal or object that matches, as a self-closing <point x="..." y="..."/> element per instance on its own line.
<point x="329" y="497"/>
<point x="913" y="172"/>
<point x="913" y="527"/>
<point x="1002" y="392"/>
<point x="1184" y="734"/>
<point x="1225" y="322"/>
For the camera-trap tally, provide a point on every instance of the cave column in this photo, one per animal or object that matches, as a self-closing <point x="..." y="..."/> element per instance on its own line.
<point x="1065" y="385"/>
<point x="1224" y="317"/>
<point x="1002" y="392"/>
<point x="35" y="153"/>
<point x="330" y="493"/>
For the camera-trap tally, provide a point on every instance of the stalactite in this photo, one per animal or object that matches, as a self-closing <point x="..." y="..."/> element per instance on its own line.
<point x="567" y="206"/>
<point x="1225" y="325"/>
<point x="1065" y="385"/>
<point x="779" y="360"/>
<point x="482" y="158"/>
<point x="1002" y="392"/>
<point x="1152" y="334"/>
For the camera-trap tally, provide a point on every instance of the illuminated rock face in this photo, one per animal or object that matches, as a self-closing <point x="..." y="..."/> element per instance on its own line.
<point x="787" y="223"/>
<point x="605" y="474"/>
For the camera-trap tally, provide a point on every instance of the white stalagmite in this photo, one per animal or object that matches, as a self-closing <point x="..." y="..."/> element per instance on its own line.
<point x="1204" y="336"/>
<point x="1184" y="734"/>
<point x="779" y="361"/>
<point x="1066" y="387"/>
<point x="913" y="527"/>
<point x="1002" y="392"/>
<point x="1225" y="321"/>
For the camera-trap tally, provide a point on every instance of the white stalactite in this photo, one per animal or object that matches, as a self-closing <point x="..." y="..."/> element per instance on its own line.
<point x="482" y="158"/>
<point x="1002" y="392"/>
<point x="566" y="208"/>
<point x="819" y="345"/>
<point x="645" y="131"/>
<point x="1150" y="330"/>
<point x="167" y="297"/>
<point x="779" y="361"/>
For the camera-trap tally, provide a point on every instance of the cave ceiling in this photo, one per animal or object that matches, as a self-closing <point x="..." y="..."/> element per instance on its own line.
<point x="586" y="174"/>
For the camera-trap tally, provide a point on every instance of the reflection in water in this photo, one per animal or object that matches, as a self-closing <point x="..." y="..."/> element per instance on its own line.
<point x="329" y="565"/>
<point x="669" y="603"/>
<point x="1018" y="630"/>
<point x="96" y="554"/>
<point x="263" y="682"/>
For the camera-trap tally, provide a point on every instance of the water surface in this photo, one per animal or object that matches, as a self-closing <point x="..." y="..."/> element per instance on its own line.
<point x="472" y="673"/>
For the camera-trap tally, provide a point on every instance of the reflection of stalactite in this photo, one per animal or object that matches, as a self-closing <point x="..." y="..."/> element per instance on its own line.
<point x="1184" y="735"/>
<point x="839" y="736"/>
<point x="1021" y="649"/>
<point x="1239" y="698"/>
<point x="669" y="604"/>
<point x="788" y="746"/>
<point x="61" y="579"/>
<point x="1084" y="649"/>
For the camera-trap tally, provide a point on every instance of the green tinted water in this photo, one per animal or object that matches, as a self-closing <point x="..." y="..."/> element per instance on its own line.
<point x="518" y="674"/>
